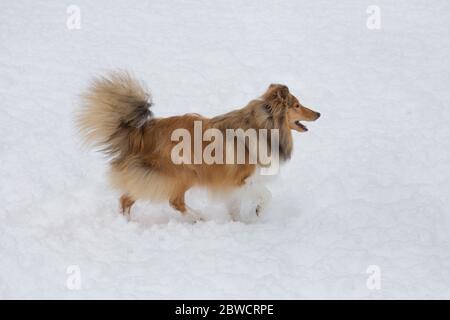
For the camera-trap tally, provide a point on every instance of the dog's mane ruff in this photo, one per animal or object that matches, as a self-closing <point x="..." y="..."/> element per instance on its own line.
<point x="260" y="114"/>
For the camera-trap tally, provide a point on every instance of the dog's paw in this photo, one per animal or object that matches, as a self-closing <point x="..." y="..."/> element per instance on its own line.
<point x="259" y="210"/>
<point x="194" y="216"/>
<point x="126" y="215"/>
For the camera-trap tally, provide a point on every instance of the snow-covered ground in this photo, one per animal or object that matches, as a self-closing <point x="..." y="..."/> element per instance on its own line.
<point x="368" y="185"/>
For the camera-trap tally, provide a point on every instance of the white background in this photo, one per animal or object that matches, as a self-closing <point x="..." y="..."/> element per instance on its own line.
<point x="369" y="184"/>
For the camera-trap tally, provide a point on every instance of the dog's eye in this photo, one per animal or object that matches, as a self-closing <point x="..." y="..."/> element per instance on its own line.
<point x="297" y="105"/>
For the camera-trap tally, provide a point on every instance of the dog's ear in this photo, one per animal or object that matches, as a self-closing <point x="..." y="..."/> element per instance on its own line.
<point x="279" y="91"/>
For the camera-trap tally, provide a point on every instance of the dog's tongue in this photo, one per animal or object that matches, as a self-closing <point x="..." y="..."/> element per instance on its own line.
<point x="301" y="125"/>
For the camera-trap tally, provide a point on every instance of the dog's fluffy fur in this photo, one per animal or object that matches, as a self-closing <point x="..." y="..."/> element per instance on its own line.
<point x="116" y="117"/>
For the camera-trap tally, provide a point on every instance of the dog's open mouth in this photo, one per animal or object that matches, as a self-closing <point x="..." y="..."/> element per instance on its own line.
<point x="300" y="125"/>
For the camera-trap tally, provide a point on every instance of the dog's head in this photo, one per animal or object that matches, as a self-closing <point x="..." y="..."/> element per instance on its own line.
<point x="282" y="101"/>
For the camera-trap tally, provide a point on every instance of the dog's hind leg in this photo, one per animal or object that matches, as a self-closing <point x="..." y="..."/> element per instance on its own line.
<point x="177" y="202"/>
<point x="125" y="205"/>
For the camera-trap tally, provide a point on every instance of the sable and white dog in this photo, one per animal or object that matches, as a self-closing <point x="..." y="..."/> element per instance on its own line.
<point x="116" y="116"/>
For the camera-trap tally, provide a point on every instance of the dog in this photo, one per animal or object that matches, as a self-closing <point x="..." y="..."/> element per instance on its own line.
<point x="117" y="117"/>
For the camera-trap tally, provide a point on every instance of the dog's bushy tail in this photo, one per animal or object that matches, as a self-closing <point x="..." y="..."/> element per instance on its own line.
<point x="116" y="107"/>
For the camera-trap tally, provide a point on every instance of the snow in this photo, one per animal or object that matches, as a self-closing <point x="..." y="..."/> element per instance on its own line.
<point x="369" y="183"/>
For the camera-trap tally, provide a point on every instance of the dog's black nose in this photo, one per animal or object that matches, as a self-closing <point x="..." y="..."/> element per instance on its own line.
<point x="318" y="115"/>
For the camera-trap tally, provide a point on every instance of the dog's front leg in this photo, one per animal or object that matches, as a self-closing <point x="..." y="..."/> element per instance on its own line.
<point x="263" y="197"/>
<point x="234" y="207"/>
<point x="253" y="192"/>
<point x="258" y="193"/>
